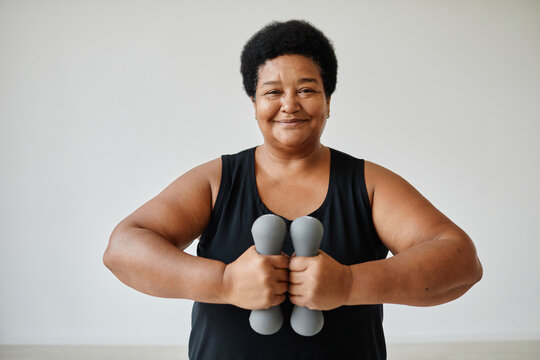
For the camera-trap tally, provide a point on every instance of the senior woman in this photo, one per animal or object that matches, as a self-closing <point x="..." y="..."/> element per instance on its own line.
<point x="289" y="72"/>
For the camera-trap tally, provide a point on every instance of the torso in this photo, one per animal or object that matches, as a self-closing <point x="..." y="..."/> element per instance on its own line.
<point x="351" y="332"/>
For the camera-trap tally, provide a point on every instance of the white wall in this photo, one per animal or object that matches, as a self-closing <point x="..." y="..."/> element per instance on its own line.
<point x="104" y="103"/>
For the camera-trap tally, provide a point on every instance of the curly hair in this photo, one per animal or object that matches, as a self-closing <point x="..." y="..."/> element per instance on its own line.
<point x="296" y="37"/>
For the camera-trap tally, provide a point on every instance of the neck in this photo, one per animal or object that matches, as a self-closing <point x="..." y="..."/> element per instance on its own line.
<point x="274" y="161"/>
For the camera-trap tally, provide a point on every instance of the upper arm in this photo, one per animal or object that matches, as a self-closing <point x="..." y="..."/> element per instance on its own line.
<point x="181" y="211"/>
<point x="401" y="215"/>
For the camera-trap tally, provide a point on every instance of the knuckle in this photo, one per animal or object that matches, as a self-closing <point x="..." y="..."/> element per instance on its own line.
<point x="265" y="278"/>
<point x="267" y="294"/>
<point x="316" y="269"/>
<point x="259" y="260"/>
<point x="279" y="299"/>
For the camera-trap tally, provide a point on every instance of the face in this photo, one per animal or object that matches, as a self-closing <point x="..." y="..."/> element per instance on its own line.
<point x="290" y="104"/>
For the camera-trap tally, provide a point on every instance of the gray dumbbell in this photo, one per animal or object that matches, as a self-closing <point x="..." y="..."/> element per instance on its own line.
<point x="268" y="233"/>
<point x="306" y="235"/>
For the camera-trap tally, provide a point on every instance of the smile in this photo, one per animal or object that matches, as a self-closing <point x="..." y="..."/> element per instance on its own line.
<point x="290" y="122"/>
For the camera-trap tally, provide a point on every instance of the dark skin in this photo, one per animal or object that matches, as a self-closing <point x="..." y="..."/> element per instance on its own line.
<point x="434" y="260"/>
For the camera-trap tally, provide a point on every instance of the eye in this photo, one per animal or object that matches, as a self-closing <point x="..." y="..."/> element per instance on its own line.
<point x="272" y="92"/>
<point x="306" y="91"/>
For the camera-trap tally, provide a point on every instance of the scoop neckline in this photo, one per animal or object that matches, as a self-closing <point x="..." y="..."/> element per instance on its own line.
<point x="266" y="210"/>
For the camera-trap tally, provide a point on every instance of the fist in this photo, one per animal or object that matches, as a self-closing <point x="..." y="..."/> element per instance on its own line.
<point x="255" y="281"/>
<point x="319" y="282"/>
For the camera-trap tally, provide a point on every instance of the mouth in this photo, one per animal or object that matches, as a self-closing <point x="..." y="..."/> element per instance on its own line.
<point x="290" y="122"/>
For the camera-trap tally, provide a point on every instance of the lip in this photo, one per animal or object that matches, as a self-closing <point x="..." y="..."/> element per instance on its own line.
<point x="290" y="121"/>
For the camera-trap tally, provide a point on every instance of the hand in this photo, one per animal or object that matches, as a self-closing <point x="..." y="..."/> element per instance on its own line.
<point x="319" y="282"/>
<point x="255" y="281"/>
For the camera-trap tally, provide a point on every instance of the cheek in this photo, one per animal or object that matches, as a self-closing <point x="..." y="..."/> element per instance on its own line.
<point x="318" y="109"/>
<point x="266" y="109"/>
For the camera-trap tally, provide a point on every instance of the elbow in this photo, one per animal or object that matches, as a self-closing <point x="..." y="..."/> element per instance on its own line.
<point x="472" y="271"/>
<point x="468" y="272"/>
<point x="478" y="271"/>
<point x="108" y="258"/>
<point x="474" y="265"/>
<point x="112" y="254"/>
<point x="474" y="275"/>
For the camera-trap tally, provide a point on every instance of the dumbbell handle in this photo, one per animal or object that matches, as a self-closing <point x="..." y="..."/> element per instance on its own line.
<point x="306" y="235"/>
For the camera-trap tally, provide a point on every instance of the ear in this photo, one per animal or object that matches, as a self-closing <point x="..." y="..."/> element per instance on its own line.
<point x="254" y="104"/>
<point x="328" y="105"/>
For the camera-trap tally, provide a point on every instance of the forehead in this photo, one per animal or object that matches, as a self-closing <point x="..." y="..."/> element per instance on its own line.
<point x="288" y="68"/>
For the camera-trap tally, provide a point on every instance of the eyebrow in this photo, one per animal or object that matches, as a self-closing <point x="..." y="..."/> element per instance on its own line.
<point x="300" y="81"/>
<point x="305" y="80"/>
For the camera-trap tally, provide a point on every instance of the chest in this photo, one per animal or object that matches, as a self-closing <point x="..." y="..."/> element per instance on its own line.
<point x="295" y="197"/>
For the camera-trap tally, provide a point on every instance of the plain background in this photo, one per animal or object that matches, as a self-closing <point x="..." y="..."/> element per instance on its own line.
<point x="104" y="103"/>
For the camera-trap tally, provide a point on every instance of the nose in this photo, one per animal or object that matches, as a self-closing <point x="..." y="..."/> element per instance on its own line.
<point x="289" y="103"/>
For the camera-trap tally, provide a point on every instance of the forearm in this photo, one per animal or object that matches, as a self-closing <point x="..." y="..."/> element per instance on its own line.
<point x="150" y="264"/>
<point x="430" y="273"/>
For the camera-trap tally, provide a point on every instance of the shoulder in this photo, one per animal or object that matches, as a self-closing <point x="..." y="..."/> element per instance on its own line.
<point x="202" y="181"/>
<point x="240" y="158"/>
<point x="371" y="174"/>
<point x="209" y="173"/>
<point x="346" y="163"/>
<point x="213" y="171"/>
<point x="375" y="173"/>
<point x="379" y="177"/>
<point x="340" y="155"/>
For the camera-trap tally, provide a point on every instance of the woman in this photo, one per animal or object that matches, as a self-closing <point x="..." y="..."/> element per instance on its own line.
<point x="289" y="71"/>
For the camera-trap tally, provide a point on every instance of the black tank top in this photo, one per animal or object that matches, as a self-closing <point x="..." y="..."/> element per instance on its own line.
<point x="349" y="332"/>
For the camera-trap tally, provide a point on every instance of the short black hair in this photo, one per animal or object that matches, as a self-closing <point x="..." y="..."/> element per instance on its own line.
<point x="296" y="37"/>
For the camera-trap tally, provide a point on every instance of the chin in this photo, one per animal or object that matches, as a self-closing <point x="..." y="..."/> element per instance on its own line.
<point x="292" y="144"/>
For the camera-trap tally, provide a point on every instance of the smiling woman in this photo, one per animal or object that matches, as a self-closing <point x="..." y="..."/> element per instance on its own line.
<point x="289" y="72"/>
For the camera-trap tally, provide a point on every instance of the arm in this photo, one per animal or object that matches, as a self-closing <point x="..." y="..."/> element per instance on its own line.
<point x="434" y="260"/>
<point x="146" y="250"/>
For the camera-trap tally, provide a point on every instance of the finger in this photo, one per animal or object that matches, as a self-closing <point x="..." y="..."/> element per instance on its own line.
<point x="299" y="263"/>
<point x="296" y="278"/>
<point x="279" y="261"/>
<point x="282" y="276"/>
<point x="281" y="288"/>
<point x="278" y="299"/>
<point x="295" y="289"/>
<point x="297" y="300"/>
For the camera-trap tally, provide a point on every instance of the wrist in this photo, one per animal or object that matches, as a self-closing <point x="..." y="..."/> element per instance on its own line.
<point x="224" y="292"/>
<point x="349" y="281"/>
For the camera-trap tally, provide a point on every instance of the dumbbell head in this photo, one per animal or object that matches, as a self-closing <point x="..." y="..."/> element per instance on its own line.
<point x="266" y="321"/>
<point x="306" y="235"/>
<point x="306" y="322"/>
<point x="268" y="234"/>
